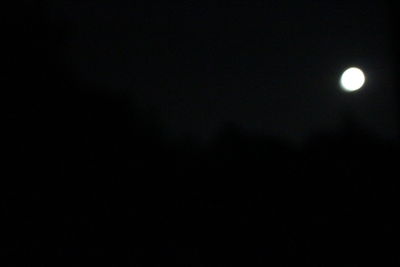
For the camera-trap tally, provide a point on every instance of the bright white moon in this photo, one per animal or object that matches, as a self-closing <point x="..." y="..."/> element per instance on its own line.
<point x="352" y="79"/>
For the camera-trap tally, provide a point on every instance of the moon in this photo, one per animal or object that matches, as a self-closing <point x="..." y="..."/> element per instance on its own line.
<point x="352" y="79"/>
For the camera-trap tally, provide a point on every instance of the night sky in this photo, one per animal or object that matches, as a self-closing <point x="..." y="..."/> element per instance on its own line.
<point x="270" y="67"/>
<point x="199" y="133"/>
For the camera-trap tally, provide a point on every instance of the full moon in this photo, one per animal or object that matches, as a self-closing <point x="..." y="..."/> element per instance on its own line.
<point x="352" y="79"/>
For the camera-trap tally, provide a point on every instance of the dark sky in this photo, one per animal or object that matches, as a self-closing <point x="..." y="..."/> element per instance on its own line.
<point x="269" y="66"/>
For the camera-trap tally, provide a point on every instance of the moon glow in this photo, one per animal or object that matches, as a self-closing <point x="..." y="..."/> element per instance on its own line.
<point x="352" y="79"/>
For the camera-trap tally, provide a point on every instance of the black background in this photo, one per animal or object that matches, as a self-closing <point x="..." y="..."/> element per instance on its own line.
<point x="199" y="134"/>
